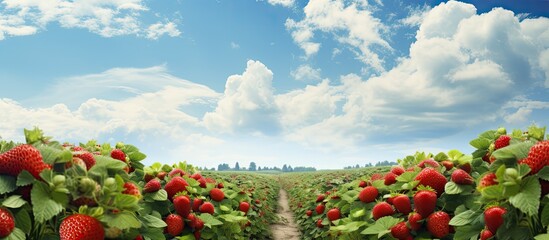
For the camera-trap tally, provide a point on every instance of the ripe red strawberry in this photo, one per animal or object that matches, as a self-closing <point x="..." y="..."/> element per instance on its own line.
<point x="432" y="178"/>
<point x="400" y="231"/>
<point x="207" y="207"/>
<point x="376" y="176"/>
<point x="220" y="185"/>
<point x="175" y="185"/>
<point x="197" y="235"/>
<point x="196" y="176"/>
<point x="414" y="219"/>
<point x="202" y="182"/>
<point x="196" y="204"/>
<point x="493" y="218"/>
<point x="448" y="165"/>
<point x="502" y="141"/>
<point x="152" y="186"/>
<point x="390" y="178"/>
<point x="425" y="202"/>
<point x="309" y="213"/>
<point x="319" y="223"/>
<point x="485" y="234"/>
<point x="397" y="170"/>
<point x="382" y="209"/>
<point x="362" y="184"/>
<point x="198" y="223"/>
<point x="81" y="227"/>
<point x="161" y="175"/>
<point x="87" y="157"/>
<point x="487" y="180"/>
<point x="217" y="194"/>
<point x="320" y="198"/>
<point x="176" y="171"/>
<point x="7" y="223"/>
<point x="466" y="167"/>
<point x="333" y="214"/>
<point x="428" y="163"/>
<point x="138" y="237"/>
<point x="244" y="207"/>
<point x="182" y="205"/>
<point x="438" y="224"/>
<point x="118" y="154"/>
<point x="460" y="176"/>
<point x="538" y="157"/>
<point x="402" y="204"/>
<point x="368" y="194"/>
<point x="22" y="157"/>
<point x="320" y="208"/>
<point x="131" y="189"/>
<point x="175" y="224"/>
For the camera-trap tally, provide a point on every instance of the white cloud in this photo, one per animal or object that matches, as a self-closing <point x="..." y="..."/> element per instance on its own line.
<point x="523" y="109"/>
<point x="104" y="17"/>
<point x="351" y="23"/>
<point x="156" y="30"/>
<point x="234" y="45"/>
<point x="284" y="3"/>
<point x="306" y="72"/>
<point x="247" y="104"/>
<point x="416" y="16"/>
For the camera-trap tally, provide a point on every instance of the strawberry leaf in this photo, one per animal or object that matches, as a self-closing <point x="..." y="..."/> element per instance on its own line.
<point x="381" y="226"/>
<point x="453" y="188"/>
<point x="23" y="220"/>
<point x="480" y="143"/>
<point x="527" y="200"/>
<point x="43" y="206"/>
<point x="542" y="236"/>
<point x="122" y="220"/>
<point x="464" y="218"/>
<point x="14" y="201"/>
<point x="24" y="178"/>
<point x="545" y="216"/>
<point x="536" y="132"/>
<point x="209" y="220"/>
<point x="154" y="234"/>
<point x="153" y="222"/>
<point x="17" y="234"/>
<point x="7" y="184"/>
<point x="52" y="155"/>
<point x="544" y="173"/>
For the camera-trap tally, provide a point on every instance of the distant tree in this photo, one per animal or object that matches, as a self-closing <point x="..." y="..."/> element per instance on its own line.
<point x="236" y="167"/>
<point x="212" y="169"/>
<point x="290" y="169"/>
<point x="284" y="168"/>
<point x="259" y="169"/>
<point x="357" y="166"/>
<point x="252" y="166"/>
<point x="276" y="169"/>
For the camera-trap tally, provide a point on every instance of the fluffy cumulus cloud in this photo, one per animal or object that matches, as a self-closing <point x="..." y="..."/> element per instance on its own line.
<point x="351" y="23"/>
<point x="247" y="103"/>
<point x="104" y="17"/>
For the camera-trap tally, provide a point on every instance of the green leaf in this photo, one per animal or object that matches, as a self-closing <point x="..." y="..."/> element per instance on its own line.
<point x="154" y="234"/>
<point x="43" y="207"/>
<point x="406" y="177"/>
<point x="544" y="236"/>
<point x="224" y="208"/>
<point x="543" y="173"/>
<point x="441" y="157"/>
<point x="480" y="143"/>
<point x="52" y="155"/>
<point x="536" y="132"/>
<point x="231" y="218"/>
<point x="454" y="154"/>
<point x="122" y="220"/>
<point x="25" y="178"/>
<point x="490" y="134"/>
<point x="209" y="220"/>
<point x="160" y="195"/>
<point x="136" y="156"/>
<point x="23" y="220"/>
<point x="464" y="218"/>
<point x="545" y="216"/>
<point x="514" y="151"/>
<point x="14" y="201"/>
<point x="7" y="184"/>
<point x="527" y="200"/>
<point x="17" y="234"/>
<point x="453" y="188"/>
<point x="128" y="202"/>
<point x="152" y="221"/>
<point x="381" y="226"/>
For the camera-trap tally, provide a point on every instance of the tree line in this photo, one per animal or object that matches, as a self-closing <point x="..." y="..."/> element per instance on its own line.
<point x="253" y="167"/>
<point x="378" y="164"/>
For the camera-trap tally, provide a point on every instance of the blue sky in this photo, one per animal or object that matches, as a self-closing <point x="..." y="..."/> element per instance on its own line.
<point x="325" y="83"/>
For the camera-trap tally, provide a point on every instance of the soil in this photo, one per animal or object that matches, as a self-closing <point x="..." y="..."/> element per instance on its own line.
<point x="286" y="229"/>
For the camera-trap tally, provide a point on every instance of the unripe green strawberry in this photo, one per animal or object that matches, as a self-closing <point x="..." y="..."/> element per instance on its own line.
<point x="87" y="186"/>
<point x="175" y="224"/>
<point x="58" y="180"/>
<point x="7" y="223"/>
<point x="438" y="224"/>
<point x="81" y="227"/>
<point x="113" y="232"/>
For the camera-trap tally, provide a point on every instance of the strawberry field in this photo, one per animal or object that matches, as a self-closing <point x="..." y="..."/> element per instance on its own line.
<point x="499" y="191"/>
<point x="50" y="190"/>
<point x="53" y="190"/>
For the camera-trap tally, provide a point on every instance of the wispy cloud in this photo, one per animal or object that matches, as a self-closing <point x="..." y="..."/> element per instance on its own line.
<point x="305" y="73"/>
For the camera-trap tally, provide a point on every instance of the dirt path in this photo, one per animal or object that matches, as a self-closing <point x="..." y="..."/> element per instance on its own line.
<point x="286" y="229"/>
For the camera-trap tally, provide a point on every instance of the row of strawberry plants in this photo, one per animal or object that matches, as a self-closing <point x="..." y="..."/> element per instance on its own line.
<point x="497" y="192"/>
<point x="50" y="190"/>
